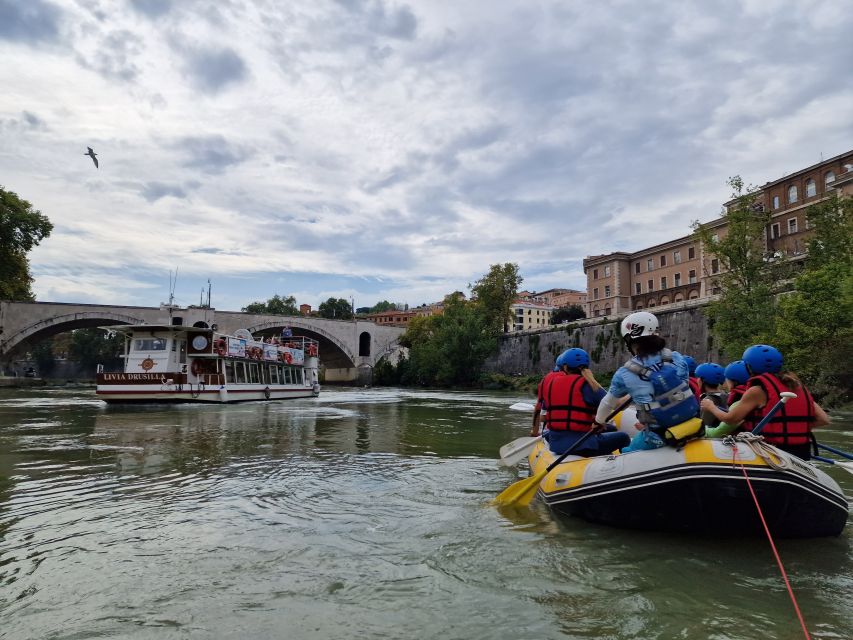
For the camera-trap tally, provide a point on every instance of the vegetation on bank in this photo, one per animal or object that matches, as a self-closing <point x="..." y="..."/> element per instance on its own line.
<point x="808" y="313"/>
<point x="21" y="229"/>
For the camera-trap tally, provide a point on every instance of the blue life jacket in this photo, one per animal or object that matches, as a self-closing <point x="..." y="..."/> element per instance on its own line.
<point x="673" y="401"/>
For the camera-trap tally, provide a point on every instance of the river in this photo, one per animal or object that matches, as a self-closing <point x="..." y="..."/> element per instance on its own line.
<point x="363" y="513"/>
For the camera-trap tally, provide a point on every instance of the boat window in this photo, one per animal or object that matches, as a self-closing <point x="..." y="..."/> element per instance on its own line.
<point x="273" y="374"/>
<point x="229" y="371"/>
<point x="149" y="344"/>
<point x="253" y="373"/>
<point x="300" y="376"/>
<point x="240" y="372"/>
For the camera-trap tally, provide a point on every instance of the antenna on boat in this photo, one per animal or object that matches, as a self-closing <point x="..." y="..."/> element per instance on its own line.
<point x="172" y="284"/>
<point x="208" y="293"/>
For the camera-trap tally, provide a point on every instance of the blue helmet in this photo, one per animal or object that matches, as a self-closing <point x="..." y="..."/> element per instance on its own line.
<point x="691" y="364"/>
<point x="736" y="372"/>
<point x="573" y="358"/>
<point x="711" y="373"/>
<point x="762" y="358"/>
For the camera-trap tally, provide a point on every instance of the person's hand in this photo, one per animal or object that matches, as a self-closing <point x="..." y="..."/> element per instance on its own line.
<point x="639" y="426"/>
<point x="707" y="405"/>
<point x="597" y="427"/>
<point x="534" y="432"/>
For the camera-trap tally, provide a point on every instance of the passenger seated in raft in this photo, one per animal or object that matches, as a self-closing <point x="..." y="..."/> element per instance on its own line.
<point x="711" y="376"/>
<point x="790" y="428"/>
<point x="736" y="377"/>
<point x="570" y="397"/>
<point x="655" y="378"/>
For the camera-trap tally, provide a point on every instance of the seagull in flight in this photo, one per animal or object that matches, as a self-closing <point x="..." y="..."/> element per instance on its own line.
<point x="92" y="155"/>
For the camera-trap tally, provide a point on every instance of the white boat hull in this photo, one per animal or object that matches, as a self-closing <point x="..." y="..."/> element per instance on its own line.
<point x="201" y="393"/>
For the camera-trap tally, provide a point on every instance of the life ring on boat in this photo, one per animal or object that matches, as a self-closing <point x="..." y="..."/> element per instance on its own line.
<point x="221" y="347"/>
<point x="267" y="393"/>
<point x="312" y="349"/>
<point x="287" y="357"/>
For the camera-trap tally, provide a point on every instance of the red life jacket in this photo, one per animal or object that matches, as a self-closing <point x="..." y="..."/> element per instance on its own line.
<point x="567" y="410"/>
<point x="793" y="422"/>
<point x="696" y="387"/>
<point x="736" y="393"/>
<point x="540" y="391"/>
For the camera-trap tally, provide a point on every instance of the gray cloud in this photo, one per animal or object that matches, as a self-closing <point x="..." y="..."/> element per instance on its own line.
<point x="30" y="21"/>
<point x="153" y="191"/>
<point x="152" y="8"/>
<point x="27" y="121"/>
<point x="210" y="154"/>
<point x="213" y="69"/>
<point x="115" y="57"/>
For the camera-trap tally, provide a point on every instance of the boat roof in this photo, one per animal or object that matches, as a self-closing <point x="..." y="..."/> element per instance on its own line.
<point x="130" y="328"/>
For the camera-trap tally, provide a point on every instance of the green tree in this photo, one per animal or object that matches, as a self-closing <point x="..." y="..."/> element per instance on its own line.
<point x="383" y="305"/>
<point x="91" y="347"/>
<point x="21" y="229"/>
<point x="42" y="353"/>
<point x="567" y="314"/>
<point x="276" y="305"/>
<point x="336" y="309"/>
<point x="814" y="329"/>
<point x="495" y="292"/>
<point x="748" y="278"/>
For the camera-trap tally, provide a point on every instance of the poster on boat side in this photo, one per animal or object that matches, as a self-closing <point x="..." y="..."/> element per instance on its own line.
<point x="237" y="347"/>
<point x="297" y="356"/>
<point x="271" y="352"/>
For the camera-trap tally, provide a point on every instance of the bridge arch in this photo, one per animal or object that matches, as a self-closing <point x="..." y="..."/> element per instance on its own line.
<point x="52" y="326"/>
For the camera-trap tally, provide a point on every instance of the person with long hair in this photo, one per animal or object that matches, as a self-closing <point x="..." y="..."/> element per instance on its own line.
<point x="790" y="429"/>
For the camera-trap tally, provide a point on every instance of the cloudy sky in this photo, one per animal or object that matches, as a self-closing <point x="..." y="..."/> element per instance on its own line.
<point x="394" y="150"/>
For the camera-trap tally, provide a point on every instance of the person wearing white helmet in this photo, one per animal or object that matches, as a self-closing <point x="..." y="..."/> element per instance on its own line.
<point x="655" y="378"/>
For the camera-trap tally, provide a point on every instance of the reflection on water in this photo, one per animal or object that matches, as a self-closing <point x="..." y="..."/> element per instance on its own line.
<point x="359" y="513"/>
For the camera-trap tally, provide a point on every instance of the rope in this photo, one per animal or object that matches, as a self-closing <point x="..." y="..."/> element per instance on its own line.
<point x="763" y="450"/>
<point x="756" y="444"/>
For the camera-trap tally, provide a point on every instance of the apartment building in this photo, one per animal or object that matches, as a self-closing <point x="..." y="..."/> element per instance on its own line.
<point x="529" y="314"/>
<point x="681" y="269"/>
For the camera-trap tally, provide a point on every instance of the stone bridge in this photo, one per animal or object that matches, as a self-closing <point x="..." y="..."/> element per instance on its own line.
<point x="348" y="348"/>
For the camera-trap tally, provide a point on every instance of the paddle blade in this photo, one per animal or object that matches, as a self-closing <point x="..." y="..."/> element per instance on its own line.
<point x="520" y="494"/>
<point x="522" y="406"/>
<point x="515" y="451"/>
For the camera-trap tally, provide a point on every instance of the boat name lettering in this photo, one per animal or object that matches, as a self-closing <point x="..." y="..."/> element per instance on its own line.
<point x="122" y="377"/>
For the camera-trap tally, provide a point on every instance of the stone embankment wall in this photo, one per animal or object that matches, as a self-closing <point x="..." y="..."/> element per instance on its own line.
<point x="685" y="330"/>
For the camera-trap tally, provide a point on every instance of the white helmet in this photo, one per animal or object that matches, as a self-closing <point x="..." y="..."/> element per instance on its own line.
<point x="638" y="324"/>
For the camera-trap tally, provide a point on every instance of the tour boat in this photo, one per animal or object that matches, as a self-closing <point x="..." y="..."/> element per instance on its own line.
<point x="699" y="487"/>
<point x="177" y="363"/>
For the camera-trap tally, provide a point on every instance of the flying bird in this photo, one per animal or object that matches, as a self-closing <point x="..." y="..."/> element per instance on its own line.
<point x="92" y="155"/>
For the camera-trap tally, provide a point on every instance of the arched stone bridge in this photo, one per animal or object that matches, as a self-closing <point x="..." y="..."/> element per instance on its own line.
<point x="345" y="345"/>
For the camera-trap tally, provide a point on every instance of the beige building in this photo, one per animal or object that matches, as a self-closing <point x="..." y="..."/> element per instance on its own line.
<point x="529" y="314"/>
<point x="681" y="269"/>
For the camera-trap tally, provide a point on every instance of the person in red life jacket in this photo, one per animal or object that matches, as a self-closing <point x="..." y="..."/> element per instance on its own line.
<point x="571" y="399"/>
<point x="692" y="380"/>
<point x="790" y="428"/>
<point x="537" y="409"/>
<point x="736" y="379"/>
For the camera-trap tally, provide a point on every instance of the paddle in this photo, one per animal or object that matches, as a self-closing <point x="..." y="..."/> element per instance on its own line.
<point x="843" y="454"/>
<point x="785" y="396"/>
<point x="847" y="466"/>
<point x="519" y="494"/>
<point x="514" y="452"/>
<point x="522" y="406"/>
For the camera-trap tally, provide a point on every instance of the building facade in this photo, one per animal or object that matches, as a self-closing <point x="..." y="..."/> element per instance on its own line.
<point x="529" y="314"/>
<point x="681" y="269"/>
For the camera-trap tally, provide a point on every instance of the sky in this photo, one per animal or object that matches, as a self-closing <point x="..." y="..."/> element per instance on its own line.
<point x="383" y="150"/>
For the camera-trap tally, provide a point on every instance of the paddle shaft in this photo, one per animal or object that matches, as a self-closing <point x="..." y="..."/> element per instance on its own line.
<point x="786" y="395"/>
<point x="585" y="436"/>
<point x="843" y="454"/>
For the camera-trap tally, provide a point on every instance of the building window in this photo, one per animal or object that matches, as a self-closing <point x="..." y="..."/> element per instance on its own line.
<point x="607" y="291"/>
<point x="650" y="264"/>
<point x="638" y="288"/>
<point x="691" y="253"/>
<point x="595" y="274"/>
<point x="792" y="193"/>
<point x="663" y="282"/>
<point x="775" y="231"/>
<point x="607" y="271"/>
<point x="607" y="311"/>
<point x="636" y="267"/>
<point x="676" y="257"/>
<point x="595" y="293"/>
<point x="715" y="266"/>
<point x="811" y="188"/>
<point x="651" y="284"/>
<point x="829" y="177"/>
<point x="663" y="260"/>
<point x="677" y="278"/>
<point x="792" y="225"/>
<point x="691" y="276"/>
<point x="776" y="203"/>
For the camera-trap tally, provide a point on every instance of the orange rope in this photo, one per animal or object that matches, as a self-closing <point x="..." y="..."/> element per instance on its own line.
<point x="772" y="545"/>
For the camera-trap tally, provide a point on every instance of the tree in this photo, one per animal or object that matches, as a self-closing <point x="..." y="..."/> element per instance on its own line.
<point x="814" y="329"/>
<point x="336" y="309"/>
<point x="275" y="306"/>
<point x="21" y="229"/>
<point x="748" y="278"/>
<point x="495" y="292"/>
<point x="42" y="353"/>
<point x="91" y="347"/>
<point x="383" y="305"/>
<point x="567" y="314"/>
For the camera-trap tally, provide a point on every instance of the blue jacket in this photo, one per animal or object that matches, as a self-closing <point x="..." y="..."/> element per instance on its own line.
<point x="641" y="391"/>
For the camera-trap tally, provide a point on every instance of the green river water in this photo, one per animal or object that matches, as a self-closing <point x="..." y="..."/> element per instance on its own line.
<point x="363" y="513"/>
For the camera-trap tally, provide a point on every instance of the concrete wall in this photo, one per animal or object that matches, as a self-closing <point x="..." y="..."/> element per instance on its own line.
<point x="685" y="329"/>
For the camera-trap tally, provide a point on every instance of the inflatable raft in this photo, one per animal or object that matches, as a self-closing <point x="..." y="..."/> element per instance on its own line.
<point x="696" y="488"/>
